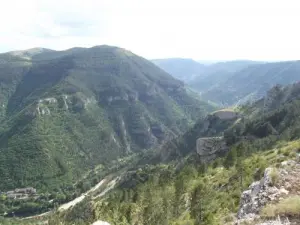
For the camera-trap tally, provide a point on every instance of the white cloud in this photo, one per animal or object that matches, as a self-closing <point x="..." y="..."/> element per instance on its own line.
<point x="201" y="29"/>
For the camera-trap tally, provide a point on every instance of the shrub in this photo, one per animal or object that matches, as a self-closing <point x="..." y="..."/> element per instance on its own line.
<point x="293" y="154"/>
<point x="279" y="151"/>
<point x="229" y="218"/>
<point x="269" y="211"/>
<point x="274" y="174"/>
<point x="269" y="152"/>
<point x="259" y="173"/>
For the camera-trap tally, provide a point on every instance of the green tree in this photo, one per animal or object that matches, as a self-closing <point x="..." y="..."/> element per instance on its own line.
<point x="202" y="168"/>
<point x="216" y="163"/>
<point x="179" y="191"/>
<point x="2" y="197"/>
<point x="197" y="203"/>
<point x="230" y="158"/>
<point x="2" y="208"/>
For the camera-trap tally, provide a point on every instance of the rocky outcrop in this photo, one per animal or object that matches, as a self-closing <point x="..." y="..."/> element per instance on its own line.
<point x="158" y="131"/>
<point x="117" y="98"/>
<point x="42" y="106"/>
<point x="258" y="195"/>
<point x="125" y="136"/>
<point x="81" y="102"/>
<point x="208" y="148"/>
<point x="279" y="221"/>
<point x="276" y="222"/>
<point x="75" y="102"/>
<point x="226" y="114"/>
<point x="99" y="222"/>
<point x="65" y="101"/>
<point x="269" y="190"/>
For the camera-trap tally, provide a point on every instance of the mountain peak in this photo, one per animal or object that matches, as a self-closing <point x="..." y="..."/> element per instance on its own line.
<point x="30" y="52"/>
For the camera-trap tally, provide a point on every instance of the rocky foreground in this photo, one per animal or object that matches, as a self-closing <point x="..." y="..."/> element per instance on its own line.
<point x="275" y="199"/>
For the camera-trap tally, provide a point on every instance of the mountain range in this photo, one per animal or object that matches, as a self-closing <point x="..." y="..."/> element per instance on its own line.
<point x="201" y="76"/>
<point x="103" y="136"/>
<point x="232" y="82"/>
<point x="181" y="68"/>
<point x="251" y="83"/>
<point x="64" y="112"/>
<point x="233" y="166"/>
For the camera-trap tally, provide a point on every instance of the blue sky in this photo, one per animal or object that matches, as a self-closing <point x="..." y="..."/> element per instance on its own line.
<point x="199" y="29"/>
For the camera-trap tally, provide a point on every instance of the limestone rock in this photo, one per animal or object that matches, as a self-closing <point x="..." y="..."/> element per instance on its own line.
<point x="257" y="196"/>
<point x="99" y="222"/>
<point x="208" y="148"/>
<point x="226" y="114"/>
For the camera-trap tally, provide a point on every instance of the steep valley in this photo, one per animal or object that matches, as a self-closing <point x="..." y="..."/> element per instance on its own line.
<point x="66" y="113"/>
<point x="177" y="184"/>
<point x="104" y="136"/>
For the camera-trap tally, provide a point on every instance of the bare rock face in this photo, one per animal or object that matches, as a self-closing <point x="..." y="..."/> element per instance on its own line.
<point x="99" y="222"/>
<point x="42" y="106"/>
<point x="255" y="197"/>
<point x="209" y="148"/>
<point x="279" y="221"/>
<point x="226" y="114"/>
<point x="263" y="192"/>
<point x="258" y="195"/>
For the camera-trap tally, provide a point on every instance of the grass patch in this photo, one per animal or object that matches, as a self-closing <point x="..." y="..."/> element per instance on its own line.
<point x="287" y="207"/>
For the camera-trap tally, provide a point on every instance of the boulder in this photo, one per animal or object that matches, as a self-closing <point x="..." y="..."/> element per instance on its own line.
<point x="208" y="148"/>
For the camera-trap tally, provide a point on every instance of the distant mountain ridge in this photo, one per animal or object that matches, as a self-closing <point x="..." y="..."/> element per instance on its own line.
<point x="234" y="82"/>
<point x="253" y="82"/>
<point x="193" y="72"/>
<point x="181" y="68"/>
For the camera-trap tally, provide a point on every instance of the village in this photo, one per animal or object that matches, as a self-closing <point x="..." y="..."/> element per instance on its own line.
<point x="20" y="193"/>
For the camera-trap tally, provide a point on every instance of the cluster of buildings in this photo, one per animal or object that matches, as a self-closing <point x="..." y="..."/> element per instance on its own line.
<point x="21" y="193"/>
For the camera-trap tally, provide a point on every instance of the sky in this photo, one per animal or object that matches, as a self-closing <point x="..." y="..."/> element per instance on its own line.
<point x="198" y="29"/>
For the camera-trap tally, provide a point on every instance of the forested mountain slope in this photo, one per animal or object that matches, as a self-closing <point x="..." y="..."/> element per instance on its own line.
<point x="73" y="125"/>
<point x="64" y="112"/>
<point x="188" y="190"/>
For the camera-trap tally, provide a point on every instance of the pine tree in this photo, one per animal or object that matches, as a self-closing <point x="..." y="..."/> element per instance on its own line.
<point x="197" y="203"/>
<point x="231" y="158"/>
<point x="179" y="191"/>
